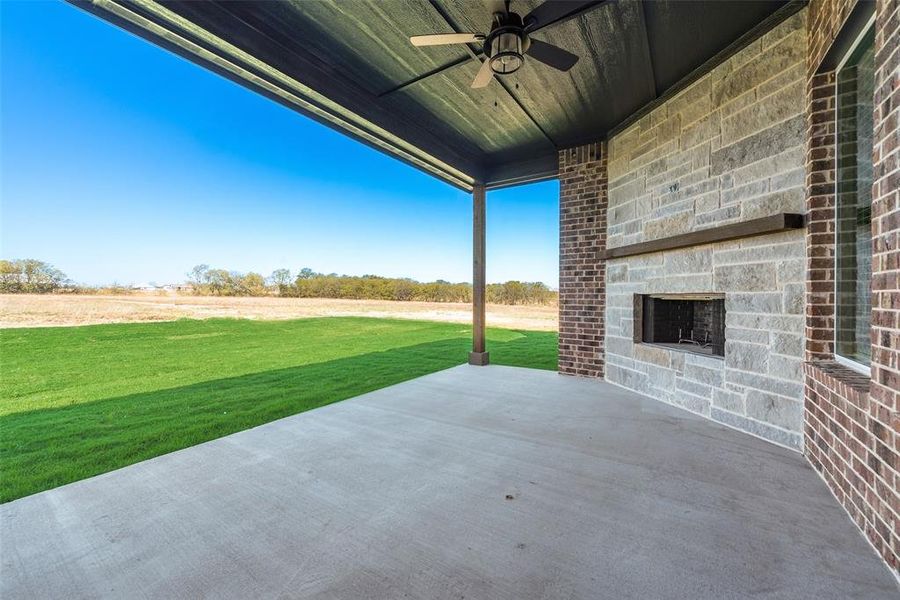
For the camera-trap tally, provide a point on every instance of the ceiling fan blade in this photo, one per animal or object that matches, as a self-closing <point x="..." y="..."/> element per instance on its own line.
<point x="496" y="6"/>
<point x="485" y="74"/>
<point x="551" y="55"/>
<point x="440" y="39"/>
<point x="556" y="11"/>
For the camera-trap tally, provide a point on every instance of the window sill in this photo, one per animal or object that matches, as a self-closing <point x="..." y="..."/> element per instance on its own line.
<point x="838" y="377"/>
<point x="853" y="365"/>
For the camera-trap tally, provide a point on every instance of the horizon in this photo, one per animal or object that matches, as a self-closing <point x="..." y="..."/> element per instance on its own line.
<point x="132" y="165"/>
<point x="185" y="279"/>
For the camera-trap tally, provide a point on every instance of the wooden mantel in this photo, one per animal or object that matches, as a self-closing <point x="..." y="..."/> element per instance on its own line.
<point x="762" y="226"/>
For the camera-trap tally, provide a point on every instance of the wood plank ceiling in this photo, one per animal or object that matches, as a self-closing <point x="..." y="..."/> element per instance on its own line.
<point x="350" y="65"/>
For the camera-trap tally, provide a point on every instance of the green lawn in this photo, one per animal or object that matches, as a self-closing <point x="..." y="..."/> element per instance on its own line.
<point x="79" y="401"/>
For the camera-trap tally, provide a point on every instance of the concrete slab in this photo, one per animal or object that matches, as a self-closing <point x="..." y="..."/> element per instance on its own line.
<point x="475" y="482"/>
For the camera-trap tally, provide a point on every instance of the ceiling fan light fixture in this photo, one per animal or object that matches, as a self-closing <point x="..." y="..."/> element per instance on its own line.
<point x="506" y="53"/>
<point x="509" y="39"/>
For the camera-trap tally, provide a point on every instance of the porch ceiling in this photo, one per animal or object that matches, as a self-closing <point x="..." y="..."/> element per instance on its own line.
<point x="351" y="65"/>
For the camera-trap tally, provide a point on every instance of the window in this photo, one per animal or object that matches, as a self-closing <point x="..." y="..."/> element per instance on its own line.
<point x="853" y="230"/>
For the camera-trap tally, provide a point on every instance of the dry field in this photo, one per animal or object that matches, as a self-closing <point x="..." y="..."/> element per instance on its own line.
<point x="26" y="310"/>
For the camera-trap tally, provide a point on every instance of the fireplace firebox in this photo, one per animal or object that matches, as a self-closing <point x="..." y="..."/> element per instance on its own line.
<point x="687" y="322"/>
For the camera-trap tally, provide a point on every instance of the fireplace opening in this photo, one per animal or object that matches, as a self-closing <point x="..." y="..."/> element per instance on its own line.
<point x="687" y="322"/>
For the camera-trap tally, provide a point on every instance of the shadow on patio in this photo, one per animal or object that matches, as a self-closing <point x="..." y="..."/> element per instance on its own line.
<point x="36" y="452"/>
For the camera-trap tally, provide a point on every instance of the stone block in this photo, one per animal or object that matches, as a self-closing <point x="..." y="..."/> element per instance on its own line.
<point x="689" y="260"/>
<point x="652" y="355"/>
<point x="794" y="298"/>
<point x="786" y="344"/>
<point x="789" y="179"/>
<point x="671" y="225"/>
<point x="784" y="104"/>
<point x="670" y="205"/>
<point x="619" y="345"/>
<point x="738" y="104"/>
<point x="621" y="213"/>
<point x="794" y="23"/>
<point x="721" y="215"/>
<point x="729" y="401"/>
<point x="789" y="201"/>
<point x="705" y="375"/>
<point x="754" y="336"/>
<point x="737" y="194"/>
<point x="766" y="322"/>
<point x="780" y="57"/>
<point x="790" y="439"/>
<point x="694" y="388"/>
<point x="763" y="144"/>
<point x="776" y="410"/>
<point x="747" y="277"/>
<point x="792" y="158"/>
<point x="765" y="250"/>
<point x="791" y="271"/>
<point x="789" y="389"/>
<point x="746" y="357"/>
<point x="616" y="273"/>
<point x="781" y="80"/>
<point x="703" y="130"/>
<point x="767" y="302"/>
<point x="629" y="378"/>
<point x="660" y="378"/>
<point x="680" y="284"/>
<point x="691" y="403"/>
<point x="786" y="367"/>
<point x="707" y="202"/>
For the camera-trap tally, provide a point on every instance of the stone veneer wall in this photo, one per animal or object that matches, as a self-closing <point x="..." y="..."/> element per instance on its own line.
<point x="582" y="237"/>
<point x="728" y="148"/>
<point x="852" y="422"/>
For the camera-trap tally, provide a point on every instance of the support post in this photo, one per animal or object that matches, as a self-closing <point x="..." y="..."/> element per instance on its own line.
<point x="478" y="355"/>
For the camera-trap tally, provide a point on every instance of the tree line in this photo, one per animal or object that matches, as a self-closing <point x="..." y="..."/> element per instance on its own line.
<point x="30" y="276"/>
<point x="310" y="284"/>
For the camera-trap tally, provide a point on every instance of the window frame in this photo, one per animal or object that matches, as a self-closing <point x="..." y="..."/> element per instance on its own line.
<point x="839" y="358"/>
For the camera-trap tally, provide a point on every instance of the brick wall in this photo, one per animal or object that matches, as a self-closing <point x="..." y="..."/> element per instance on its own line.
<point x="852" y="424"/>
<point x="884" y="390"/>
<point x="728" y="148"/>
<point x="820" y="206"/>
<point x="582" y="236"/>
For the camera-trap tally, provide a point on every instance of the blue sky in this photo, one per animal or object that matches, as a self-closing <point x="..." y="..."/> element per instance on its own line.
<point x="122" y="162"/>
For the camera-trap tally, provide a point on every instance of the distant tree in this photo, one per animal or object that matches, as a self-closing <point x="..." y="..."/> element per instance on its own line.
<point x="251" y="284"/>
<point x="10" y="282"/>
<point x="280" y="278"/>
<point x="218" y="282"/>
<point x="306" y="273"/>
<point x="197" y="275"/>
<point x="30" y="276"/>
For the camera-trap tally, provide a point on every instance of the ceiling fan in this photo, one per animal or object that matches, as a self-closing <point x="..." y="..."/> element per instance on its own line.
<point x="509" y="39"/>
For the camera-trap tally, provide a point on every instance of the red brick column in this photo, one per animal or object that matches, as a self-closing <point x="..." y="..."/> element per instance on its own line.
<point x="884" y="390"/>
<point x="582" y="274"/>
<point x="852" y="422"/>
<point x="820" y="215"/>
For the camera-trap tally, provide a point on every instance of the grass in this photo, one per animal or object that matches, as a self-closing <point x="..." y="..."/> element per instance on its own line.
<point x="80" y="401"/>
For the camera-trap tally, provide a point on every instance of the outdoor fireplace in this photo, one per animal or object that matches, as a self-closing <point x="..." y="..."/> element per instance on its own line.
<point x="687" y="322"/>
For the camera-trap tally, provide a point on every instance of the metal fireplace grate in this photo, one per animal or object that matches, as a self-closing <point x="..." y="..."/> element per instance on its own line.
<point x="689" y="322"/>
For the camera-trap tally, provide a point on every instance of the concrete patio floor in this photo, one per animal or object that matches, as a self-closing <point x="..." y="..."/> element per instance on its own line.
<point x="480" y="483"/>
